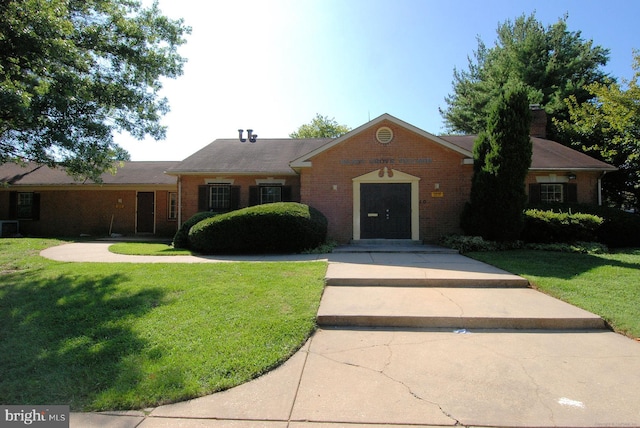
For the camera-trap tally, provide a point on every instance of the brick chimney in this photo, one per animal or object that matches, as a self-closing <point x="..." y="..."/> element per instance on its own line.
<point x="538" y="121"/>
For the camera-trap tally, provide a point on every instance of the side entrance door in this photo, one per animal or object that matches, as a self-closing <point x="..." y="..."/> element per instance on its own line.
<point x="385" y="211"/>
<point x="145" y="217"/>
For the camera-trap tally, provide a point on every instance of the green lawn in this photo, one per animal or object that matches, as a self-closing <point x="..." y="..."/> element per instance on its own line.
<point x="147" y="249"/>
<point x="605" y="284"/>
<point x="120" y="336"/>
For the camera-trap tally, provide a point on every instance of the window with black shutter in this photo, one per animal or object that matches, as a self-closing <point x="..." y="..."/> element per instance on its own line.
<point x="267" y="194"/>
<point x="218" y="198"/>
<point x="24" y="206"/>
<point x="553" y="193"/>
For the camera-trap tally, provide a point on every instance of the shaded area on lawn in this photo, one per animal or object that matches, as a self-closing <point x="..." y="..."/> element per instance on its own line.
<point x="66" y="337"/>
<point x="556" y="264"/>
<point x="605" y="284"/>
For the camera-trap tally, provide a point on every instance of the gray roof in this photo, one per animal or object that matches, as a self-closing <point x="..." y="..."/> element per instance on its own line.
<point x="547" y="155"/>
<point x="266" y="156"/>
<point x="131" y="173"/>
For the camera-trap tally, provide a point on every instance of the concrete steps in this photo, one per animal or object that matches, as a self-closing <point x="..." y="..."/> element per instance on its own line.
<point x="436" y="290"/>
<point x="454" y="308"/>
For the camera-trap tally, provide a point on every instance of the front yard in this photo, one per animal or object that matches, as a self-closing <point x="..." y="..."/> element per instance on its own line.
<point x="128" y="336"/>
<point x="125" y="336"/>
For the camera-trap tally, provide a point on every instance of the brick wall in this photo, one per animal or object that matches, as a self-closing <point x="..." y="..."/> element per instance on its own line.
<point x="75" y="212"/>
<point x="587" y="183"/>
<point x="190" y="185"/>
<point x="327" y="185"/>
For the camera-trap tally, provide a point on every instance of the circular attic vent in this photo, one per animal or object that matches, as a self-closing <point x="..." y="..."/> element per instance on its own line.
<point x="384" y="135"/>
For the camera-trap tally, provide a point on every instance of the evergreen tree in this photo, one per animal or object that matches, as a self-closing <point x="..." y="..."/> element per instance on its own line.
<point x="502" y="157"/>
<point x="551" y="62"/>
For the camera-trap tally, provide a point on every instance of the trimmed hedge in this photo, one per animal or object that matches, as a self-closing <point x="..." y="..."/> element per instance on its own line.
<point x="619" y="228"/>
<point x="283" y="227"/>
<point x="181" y="238"/>
<point x="553" y="227"/>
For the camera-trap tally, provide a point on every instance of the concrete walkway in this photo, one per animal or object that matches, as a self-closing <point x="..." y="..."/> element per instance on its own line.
<point x="420" y="338"/>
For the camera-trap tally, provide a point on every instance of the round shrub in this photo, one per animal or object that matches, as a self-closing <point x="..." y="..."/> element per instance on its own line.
<point x="181" y="238"/>
<point x="283" y="227"/>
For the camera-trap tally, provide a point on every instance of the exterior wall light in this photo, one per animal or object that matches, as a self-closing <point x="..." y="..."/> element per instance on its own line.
<point x="572" y="176"/>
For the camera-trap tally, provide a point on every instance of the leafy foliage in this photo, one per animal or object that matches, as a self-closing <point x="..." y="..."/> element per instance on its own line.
<point x="181" y="238"/>
<point x="560" y="227"/>
<point x="608" y="127"/>
<point x="72" y="72"/>
<point x="502" y="156"/>
<point x="320" y="127"/>
<point x="283" y="227"/>
<point x="619" y="228"/>
<point x="552" y="63"/>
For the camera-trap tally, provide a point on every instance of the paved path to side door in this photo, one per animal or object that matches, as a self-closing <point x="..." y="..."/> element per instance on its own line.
<point x="410" y="338"/>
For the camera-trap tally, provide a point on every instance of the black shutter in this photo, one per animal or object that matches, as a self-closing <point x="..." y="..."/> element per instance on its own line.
<point x="13" y="205"/>
<point x="286" y="194"/>
<point x="234" y="195"/>
<point x="35" y="207"/>
<point x="203" y="198"/>
<point x="571" y="192"/>
<point x="534" y="193"/>
<point x="254" y="195"/>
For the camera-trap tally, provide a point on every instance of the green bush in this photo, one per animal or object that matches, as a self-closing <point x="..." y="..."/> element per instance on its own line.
<point x="549" y="226"/>
<point x="282" y="227"/>
<point x="619" y="228"/>
<point x="181" y="238"/>
<point x="466" y="244"/>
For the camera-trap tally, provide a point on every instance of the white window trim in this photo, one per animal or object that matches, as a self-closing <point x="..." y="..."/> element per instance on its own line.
<point x="270" y="181"/>
<point x="551" y="179"/>
<point x="219" y="181"/>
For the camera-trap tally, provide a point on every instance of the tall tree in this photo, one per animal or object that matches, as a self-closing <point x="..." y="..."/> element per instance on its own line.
<point x="73" y="72"/>
<point x="552" y="63"/>
<point x="502" y="157"/>
<point x="320" y="127"/>
<point x="608" y="127"/>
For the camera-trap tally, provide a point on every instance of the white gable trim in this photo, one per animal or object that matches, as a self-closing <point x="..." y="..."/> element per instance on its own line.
<point x="305" y="161"/>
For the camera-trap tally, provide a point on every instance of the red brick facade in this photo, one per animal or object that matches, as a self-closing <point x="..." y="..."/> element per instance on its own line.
<point x="92" y="211"/>
<point x="425" y="178"/>
<point x="444" y="185"/>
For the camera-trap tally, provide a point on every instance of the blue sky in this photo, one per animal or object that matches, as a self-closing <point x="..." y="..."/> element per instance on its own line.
<point x="271" y="65"/>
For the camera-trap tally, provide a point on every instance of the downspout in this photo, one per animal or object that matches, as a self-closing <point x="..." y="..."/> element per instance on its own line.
<point x="600" y="188"/>
<point x="179" y="200"/>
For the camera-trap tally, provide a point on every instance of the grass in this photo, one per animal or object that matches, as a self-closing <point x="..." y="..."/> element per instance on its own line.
<point x="127" y="336"/>
<point x="605" y="284"/>
<point x="147" y="249"/>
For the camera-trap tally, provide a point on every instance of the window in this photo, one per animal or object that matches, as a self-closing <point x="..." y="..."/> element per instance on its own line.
<point x="270" y="194"/>
<point x="548" y="193"/>
<point x="219" y="197"/>
<point x="24" y="206"/>
<point x="551" y="193"/>
<point x="173" y="206"/>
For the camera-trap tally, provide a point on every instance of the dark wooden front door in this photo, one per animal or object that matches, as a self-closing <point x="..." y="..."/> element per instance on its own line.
<point x="145" y="213"/>
<point x="385" y="211"/>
